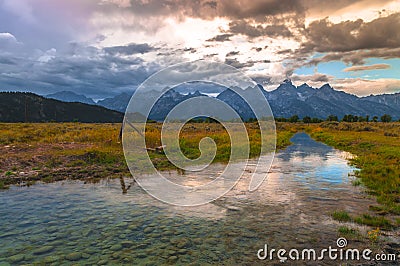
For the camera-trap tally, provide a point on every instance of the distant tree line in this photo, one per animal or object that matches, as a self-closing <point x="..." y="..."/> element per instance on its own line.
<point x="347" y="118"/>
<point x="308" y="120"/>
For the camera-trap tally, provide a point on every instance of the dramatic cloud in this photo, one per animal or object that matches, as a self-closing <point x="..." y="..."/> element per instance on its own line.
<point x="130" y="49"/>
<point x="357" y="57"/>
<point x="316" y="80"/>
<point x="358" y="86"/>
<point x="244" y="27"/>
<point x="102" y="47"/>
<point x="82" y="69"/>
<point x="365" y="87"/>
<point x="370" y="67"/>
<point x="233" y="53"/>
<point x="325" y="36"/>
<point x="221" y="38"/>
<point x="235" y="63"/>
<point x="236" y="9"/>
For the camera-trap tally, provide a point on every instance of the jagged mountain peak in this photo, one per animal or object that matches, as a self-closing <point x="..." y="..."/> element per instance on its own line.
<point x="285" y="101"/>
<point x="326" y="87"/>
<point x="304" y="86"/>
<point x="287" y="85"/>
<point x="69" y="96"/>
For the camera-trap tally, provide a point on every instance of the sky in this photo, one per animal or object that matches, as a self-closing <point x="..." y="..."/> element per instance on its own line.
<point x="101" y="48"/>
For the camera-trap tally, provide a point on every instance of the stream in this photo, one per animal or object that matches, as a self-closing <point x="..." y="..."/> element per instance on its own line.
<point x="71" y="222"/>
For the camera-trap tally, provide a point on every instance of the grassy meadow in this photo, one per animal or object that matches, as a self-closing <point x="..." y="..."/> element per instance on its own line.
<point x="89" y="152"/>
<point x="376" y="147"/>
<point x="55" y="151"/>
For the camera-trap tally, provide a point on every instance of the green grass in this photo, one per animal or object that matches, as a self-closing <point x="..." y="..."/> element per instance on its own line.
<point x="54" y="150"/>
<point x="365" y="219"/>
<point x="374" y="221"/>
<point x="9" y="173"/>
<point x="356" y="182"/>
<point x="3" y="185"/>
<point x="377" y="156"/>
<point x="341" y="216"/>
<point x="349" y="233"/>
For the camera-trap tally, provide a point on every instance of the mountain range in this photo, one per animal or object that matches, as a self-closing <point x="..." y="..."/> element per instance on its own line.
<point x="288" y="100"/>
<point x="285" y="101"/>
<point x="29" y="107"/>
<point x="69" y="96"/>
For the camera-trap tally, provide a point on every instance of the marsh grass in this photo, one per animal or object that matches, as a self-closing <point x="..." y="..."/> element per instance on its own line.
<point x="3" y="185"/>
<point x="349" y="233"/>
<point x="365" y="219"/>
<point x="341" y="216"/>
<point x="50" y="151"/>
<point x="356" y="182"/>
<point x="377" y="155"/>
<point x="374" y="221"/>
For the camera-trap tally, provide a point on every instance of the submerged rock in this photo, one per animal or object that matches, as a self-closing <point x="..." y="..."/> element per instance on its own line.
<point x="74" y="256"/>
<point x="16" y="258"/>
<point x="148" y="230"/>
<point x="141" y="255"/>
<point x="43" y="250"/>
<point x="102" y="262"/>
<point x="183" y="243"/>
<point x="127" y="244"/>
<point x="172" y="259"/>
<point x="116" y="247"/>
<point x="51" y="259"/>
<point x="233" y="208"/>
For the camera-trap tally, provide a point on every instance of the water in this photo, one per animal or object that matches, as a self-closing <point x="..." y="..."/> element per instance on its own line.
<point x="75" y="223"/>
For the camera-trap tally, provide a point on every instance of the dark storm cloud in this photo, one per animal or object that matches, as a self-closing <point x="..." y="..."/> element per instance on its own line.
<point x="7" y="60"/>
<point x="190" y="50"/>
<point x="221" y="38"/>
<point x="320" y="78"/>
<point x="329" y="7"/>
<point x="210" y="55"/>
<point x="245" y="28"/>
<point x="235" y="63"/>
<point x="317" y="77"/>
<point x="356" y="57"/>
<point x="29" y="31"/>
<point x="353" y="41"/>
<point x="234" y="9"/>
<point x="130" y="49"/>
<point x="91" y="71"/>
<point x="325" y="36"/>
<point x="286" y="51"/>
<point x="232" y="53"/>
<point x="258" y="8"/>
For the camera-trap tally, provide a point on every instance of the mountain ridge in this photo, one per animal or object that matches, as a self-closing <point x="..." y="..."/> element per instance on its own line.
<point x="30" y="107"/>
<point x="288" y="100"/>
<point x="69" y="96"/>
<point x="285" y="101"/>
